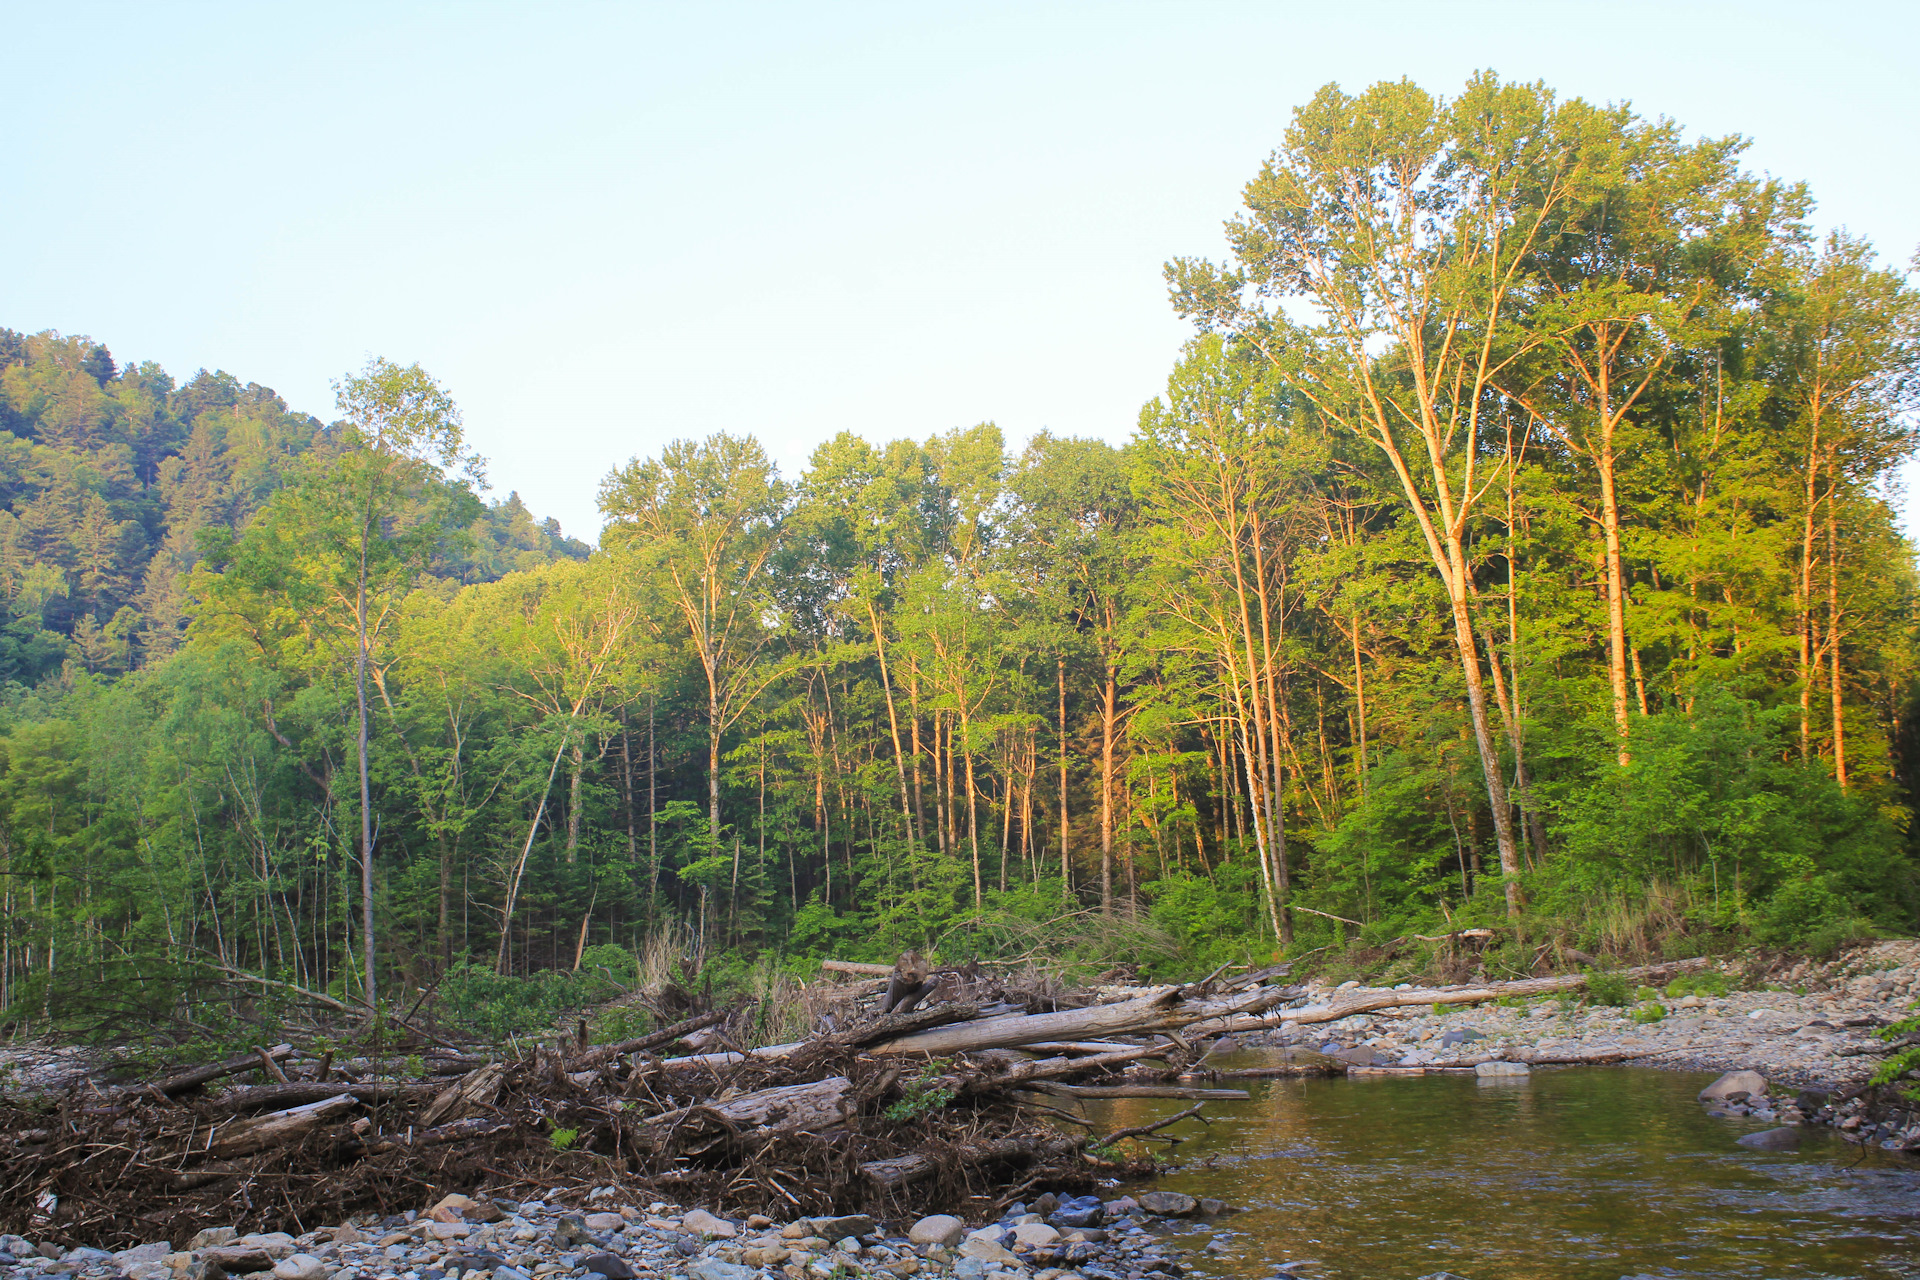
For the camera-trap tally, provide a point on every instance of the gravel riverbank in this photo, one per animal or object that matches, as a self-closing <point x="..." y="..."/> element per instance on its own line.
<point x="1083" y="1238"/>
<point x="1814" y="1029"/>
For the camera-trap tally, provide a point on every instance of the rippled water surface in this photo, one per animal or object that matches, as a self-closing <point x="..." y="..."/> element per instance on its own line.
<point x="1587" y="1174"/>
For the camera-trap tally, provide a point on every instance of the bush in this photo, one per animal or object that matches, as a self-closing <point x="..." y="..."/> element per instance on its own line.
<point x="1651" y="1011"/>
<point x="1609" y="989"/>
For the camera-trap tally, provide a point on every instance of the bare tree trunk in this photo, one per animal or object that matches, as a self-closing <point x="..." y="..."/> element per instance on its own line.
<point x="1837" y="688"/>
<point x="367" y="935"/>
<point x="1109" y="696"/>
<point x="1066" y="871"/>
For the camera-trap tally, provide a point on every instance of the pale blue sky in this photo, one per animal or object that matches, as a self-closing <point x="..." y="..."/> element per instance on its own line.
<point x="607" y="226"/>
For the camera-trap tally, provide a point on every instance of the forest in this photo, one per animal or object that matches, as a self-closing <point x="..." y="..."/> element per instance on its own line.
<point x="1514" y="545"/>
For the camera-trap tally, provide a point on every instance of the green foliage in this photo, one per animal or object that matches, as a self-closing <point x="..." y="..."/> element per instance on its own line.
<point x="563" y="1139"/>
<point x="1709" y="983"/>
<point x="1607" y="989"/>
<point x="921" y="1093"/>
<point x="475" y="998"/>
<point x="1650" y="1012"/>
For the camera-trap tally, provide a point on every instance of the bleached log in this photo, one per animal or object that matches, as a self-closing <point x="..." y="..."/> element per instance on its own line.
<point x="475" y="1090"/>
<point x="173" y="1086"/>
<point x="240" y="1137"/>
<point x="810" y="1107"/>
<point x="1162" y="1011"/>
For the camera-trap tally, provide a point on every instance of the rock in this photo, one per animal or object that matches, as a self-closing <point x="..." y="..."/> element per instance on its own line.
<point x="1734" y="1082"/>
<point x="276" y="1244"/>
<point x="237" y="1258"/>
<point x="1035" y="1233"/>
<point x="1212" y="1208"/>
<point x="985" y="1249"/>
<point x="605" y="1222"/>
<point x="300" y="1266"/>
<point x="970" y="1269"/>
<point x="770" y="1256"/>
<point x="212" y="1236"/>
<point x="703" y="1223"/>
<point x="1074" y="1214"/>
<point x="451" y="1208"/>
<point x="1771" y="1140"/>
<point x="904" y="1267"/>
<point x="1168" y="1204"/>
<point x="609" y="1266"/>
<point x="347" y="1233"/>
<point x="145" y="1255"/>
<point x="940" y="1228"/>
<point x="1486" y="1069"/>
<point x="448" y="1231"/>
<point x="1811" y="1100"/>
<point x="202" y="1269"/>
<point x="852" y="1224"/>
<point x="1443" y="1275"/>
<point x="1460" y="1036"/>
<point x="569" y="1231"/>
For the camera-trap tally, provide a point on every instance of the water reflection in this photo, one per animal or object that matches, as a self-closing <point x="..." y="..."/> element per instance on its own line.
<point x="1590" y="1174"/>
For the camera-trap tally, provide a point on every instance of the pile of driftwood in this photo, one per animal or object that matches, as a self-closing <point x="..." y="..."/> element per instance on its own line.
<point x="915" y="1091"/>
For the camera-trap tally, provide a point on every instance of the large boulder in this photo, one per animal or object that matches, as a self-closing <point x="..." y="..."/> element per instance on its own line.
<point x="940" y="1228"/>
<point x="1771" y="1140"/>
<point x="1746" y="1082"/>
<point x="1168" y="1204"/>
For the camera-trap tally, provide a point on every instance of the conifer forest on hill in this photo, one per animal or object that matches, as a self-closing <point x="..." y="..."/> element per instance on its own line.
<point x="1514" y="544"/>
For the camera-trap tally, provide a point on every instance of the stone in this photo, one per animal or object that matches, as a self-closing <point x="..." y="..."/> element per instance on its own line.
<point x="347" y="1233"/>
<point x="1072" y="1216"/>
<point x="448" y="1231"/>
<point x="300" y="1266"/>
<point x="700" y="1222"/>
<point x="1771" y="1140"/>
<point x="605" y="1222"/>
<point x="766" y="1256"/>
<point x="1742" y="1082"/>
<point x="277" y="1244"/>
<point x="852" y="1224"/>
<point x="1460" y="1036"/>
<point x="1486" y="1069"/>
<point x="1035" y="1233"/>
<point x="904" y="1267"/>
<point x="1443" y="1275"/>
<point x="714" y="1269"/>
<point x="1212" y="1208"/>
<point x="607" y="1265"/>
<point x="211" y="1236"/>
<point x="940" y="1228"/>
<point x="1811" y="1100"/>
<point x="970" y="1269"/>
<point x="986" y="1249"/>
<point x="451" y="1208"/>
<point x="202" y="1269"/>
<point x="1168" y="1204"/>
<point x="144" y="1255"/>
<point x="237" y="1258"/>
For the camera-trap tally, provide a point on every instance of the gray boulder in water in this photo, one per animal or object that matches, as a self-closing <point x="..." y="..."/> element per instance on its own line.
<point x="1771" y="1140"/>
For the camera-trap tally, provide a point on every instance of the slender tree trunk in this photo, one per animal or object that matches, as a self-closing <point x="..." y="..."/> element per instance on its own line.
<point x="1836" y="688"/>
<point x="893" y="718"/>
<point x="1803" y="588"/>
<point x="1616" y="594"/>
<point x="1066" y="871"/>
<point x="573" y="797"/>
<point x="367" y="943"/>
<point x="1109" y="709"/>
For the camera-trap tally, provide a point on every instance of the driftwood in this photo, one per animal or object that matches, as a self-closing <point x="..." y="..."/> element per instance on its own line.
<point x="1164" y="1011"/>
<point x="899" y="1171"/>
<point x="240" y="1137"/>
<point x="279" y="1097"/>
<point x="477" y="1089"/>
<point x="1140" y="1091"/>
<point x="173" y="1086"/>
<point x="810" y="1107"/>
<point x="639" y="1044"/>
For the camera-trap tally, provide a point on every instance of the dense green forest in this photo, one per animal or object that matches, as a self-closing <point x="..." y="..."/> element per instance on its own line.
<point x="1513" y="544"/>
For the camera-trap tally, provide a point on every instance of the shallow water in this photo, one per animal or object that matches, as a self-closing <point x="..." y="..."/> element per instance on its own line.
<point x="1583" y="1174"/>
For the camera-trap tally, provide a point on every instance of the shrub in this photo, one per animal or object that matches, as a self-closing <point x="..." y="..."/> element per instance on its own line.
<point x="1652" y="1011"/>
<point x="1609" y="989"/>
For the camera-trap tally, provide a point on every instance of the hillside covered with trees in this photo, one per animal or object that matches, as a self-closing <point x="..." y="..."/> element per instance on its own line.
<point x="1513" y="545"/>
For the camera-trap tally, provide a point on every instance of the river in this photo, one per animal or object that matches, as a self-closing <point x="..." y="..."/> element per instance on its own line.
<point x="1581" y="1174"/>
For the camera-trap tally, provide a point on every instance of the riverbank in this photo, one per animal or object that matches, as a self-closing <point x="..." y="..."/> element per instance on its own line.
<point x="1811" y="1025"/>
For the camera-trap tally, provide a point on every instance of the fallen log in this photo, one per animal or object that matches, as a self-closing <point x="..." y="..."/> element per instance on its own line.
<point x="1139" y="1091"/>
<point x="477" y="1089"/>
<point x="898" y="1171"/>
<point x="457" y="1131"/>
<point x="279" y="1097"/>
<point x="653" y="1040"/>
<point x="1372" y="1001"/>
<point x="1163" y="1011"/>
<point x="241" y="1137"/>
<point x="809" y="1107"/>
<point x="851" y="966"/>
<point x="173" y="1086"/>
